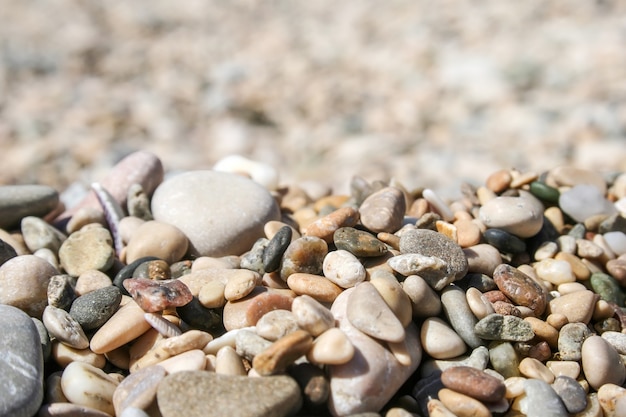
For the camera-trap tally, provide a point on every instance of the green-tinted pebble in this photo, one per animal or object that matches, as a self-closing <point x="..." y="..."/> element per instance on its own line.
<point x="504" y="359"/>
<point x="607" y="288"/>
<point x="578" y="231"/>
<point x="544" y="192"/>
<point x="358" y="242"/>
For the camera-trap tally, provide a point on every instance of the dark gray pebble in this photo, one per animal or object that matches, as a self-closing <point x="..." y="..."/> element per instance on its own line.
<point x="6" y="252"/>
<point x="19" y="201"/>
<point x="571" y="393"/>
<point x="358" y="242"/>
<point x="127" y="272"/>
<point x="93" y="309"/>
<point x="44" y="336"/>
<point x="199" y="317"/>
<point x="253" y="259"/>
<point x="276" y="248"/>
<point x="504" y="241"/>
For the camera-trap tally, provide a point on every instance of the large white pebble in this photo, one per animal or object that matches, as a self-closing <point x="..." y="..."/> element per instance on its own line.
<point x="521" y="216"/>
<point x="616" y="241"/>
<point x="583" y="201"/>
<point x="343" y="268"/>
<point x="84" y="384"/>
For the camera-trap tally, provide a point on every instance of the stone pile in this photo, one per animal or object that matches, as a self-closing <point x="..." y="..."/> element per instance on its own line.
<point x="215" y="292"/>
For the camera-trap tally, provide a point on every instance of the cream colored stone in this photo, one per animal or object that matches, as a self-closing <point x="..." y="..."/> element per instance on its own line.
<point x="241" y="284"/>
<point x="64" y="355"/>
<point x="89" y="386"/>
<point x="439" y="340"/>
<point x="532" y="368"/>
<point x="211" y="294"/>
<point x="126" y="324"/>
<point x="191" y="360"/>
<point x="228" y="362"/>
<point x="393" y="294"/>
<point x="331" y="348"/>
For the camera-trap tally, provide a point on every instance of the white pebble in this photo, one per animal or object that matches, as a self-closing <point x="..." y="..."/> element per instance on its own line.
<point x="616" y="242"/>
<point x="583" y="201"/>
<point x="343" y="268"/>
<point x="439" y="205"/>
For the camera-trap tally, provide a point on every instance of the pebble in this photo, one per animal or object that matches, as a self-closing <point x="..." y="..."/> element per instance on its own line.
<point x="282" y="353"/>
<point x="320" y="288"/>
<point x="616" y="242"/>
<point x="211" y="294"/>
<point x="432" y="244"/>
<point x="191" y="360"/>
<point x="499" y="181"/>
<point x="172" y="346"/>
<point x="601" y="363"/>
<point x="581" y="272"/>
<point x="564" y="368"/>
<point x="482" y="259"/>
<point x="6" y="252"/>
<point x="462" y="405"/>
<point x="617" y="340"/>
<point x="162" y="325"/>
<point x="343" y="268"/>
<point x="544" y="192"/>
<point x="93" y="309"/>
<point x="153" y="296"/>
<point x="583" y="201"/>
<point x="439" y="340"/>
<point x="571" y="338"/>
<point x="577" y="306"/>
<point x="138" y="389"/>
<point x="276" y="324"/>
<point x="468" y="233"/>
<point x="21" y="364"/>
<point x="228" y="362"/>
<point x="478" y="303"/>
<point x="64" y="328"/>
<point x="64" y="355"/>
<point x="358" y="242"/>
<point x="241" y="205"/>
<point x="520" y="216"/>
<point x="425" y="302"/>
<point x="383" y="210"/>
<point x="431" y="268"/>
<point x="391" y="291"/>
<point x="261" y="173"/>
<point x="61" y="292"/>
<point x="276" y="247"/>
<point x="504" y="241"/>
<point x="607" y="288"/>
<point x="572" y="394"/>
<point x="248" y="344"/>
<point x="326" y="226"/>
<point x="504" y="359"/>
<point x="39" y="234"/>
<point x="247" y="311"/>
<point x="459" y="315"/>
<point x="90" y="281"/>
<point x="240" y="285"/>
<point x="138" y="202"/>
<point x="159" y="239"/>
<point x="253" y="259"/>
<point x="207" y="394"/>
<point x="367" y="311"/>
<point x="313" y="383"/>
<point x="86" y="385"/>
<point x="20" y="201"/>
<point x="506" y="328"/>
<point x="373" y="375"/>
<point x="541" y="400"/>
<point x="617" y="269"/>
<point x="86" y="249"/>
<point x="311" y="315"/>
<point x="305" y="254"/>
<point x="520" y="288"/>
<point x="24" y="283"/>
<point x="555" y="271"/>
<point x="194" y="315"/>
<point x="473" y="383"/>
<point x="331" y="348"/>
<point x="126" y="324"/>
<point x="69" y="410"/>
<point x="534" y="369"/>
<point x="612" y="399"/>
<point x="156" y="270"/>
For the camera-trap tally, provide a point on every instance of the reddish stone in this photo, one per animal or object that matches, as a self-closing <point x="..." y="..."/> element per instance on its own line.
<point x="153" y="296"/>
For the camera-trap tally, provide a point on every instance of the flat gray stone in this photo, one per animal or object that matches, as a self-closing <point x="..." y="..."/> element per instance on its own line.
<point x="433" y="244"/>
<point x="221" y="214"/>
<point x="207" y="394"/>
<point x="19" y="201"/>
<point x="21" y="364"/>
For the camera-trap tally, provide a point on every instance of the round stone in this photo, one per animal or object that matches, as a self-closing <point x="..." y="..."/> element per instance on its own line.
<point x="88" y="248"/>
<point x="520" y="216"/>
<point x="93" y="309"/>
<point x="577" y="306"/>
<point x="24" y="283"/>
<point x="305" y="254"/>
<point x="601" y="363"/>
<point x="320" y="288"/>
<point x="238" y="207"/>
<point x="583" y="201"/>
<point x="571" y="338"/>
<point x="520" y="288"/>
<point x="155" y="238"/>
<point x="19" y="201"/>
<point x="343" y="268"/>
<point x="84" y="384"/>
<point x="474" y="383"/>
<point x="331" y="348"/>
<point x="482" y="259"/>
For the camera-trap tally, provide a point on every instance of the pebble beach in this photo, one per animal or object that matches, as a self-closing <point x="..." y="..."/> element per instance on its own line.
<point x="291" y="209"/>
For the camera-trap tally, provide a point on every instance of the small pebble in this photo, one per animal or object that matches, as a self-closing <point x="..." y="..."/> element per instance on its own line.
<point x="571" y="338"/>
<point x="331" y="348"/>
<point x="39" y="234"/>
<point x="228" y="362"/>
<point x="504" y="241"/>
<point x="64" y="328"/>
<point x="474" y="383"/>
<point x="276" y="247"/>
<point x="577" y="306"/>
<point x="153" y="296"/>
<point x="240" y="285"/>
<point x="305" y="254"/>
<point x="89" y="386"/>
<point x="506" y="328"/>
<point x="572" y="394"/>
<point x="319" y="287"/>
<point x="601" y="363"/>
<point x="276" y="324"/>
<point x="93" y="309"/>
<point x="520" y="288"/>
<point x="462" y="405"/>
<point x="358" y="242"/>
<point x="439" y="340"/>
<point x="520" y="216"/>
<point x="282" y="353"/>
<point x="343" y="268"/>
<point x="61" y="293"/>
<point x="325" y="227"/>
<point x="383" y="210"/>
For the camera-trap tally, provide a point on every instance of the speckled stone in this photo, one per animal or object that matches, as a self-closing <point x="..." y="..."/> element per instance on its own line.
<point x="429" y="243"/>
<point x="24" y="283"/>
<point x="607" y="287"/>
<point x="520" y="288"/>
<point x="40" y="234"/>
<point x="153" y="296"/>
<point x="577" y="306"/>
<point x="241" y="205"/>
<point x="21" y="364"/>
<point x="253" y="259"/>
<point x="206" y="394"/>
<point x="305" y="254"/>
<point x="19" y="201"/>
<point x="61" y="291"/>
<point x="88" y="248"/>
<point x="93" y="309"/>
<point x="506" y="328"/>
<point x="358" y="242"/>
<point x="572" y="394"/>
<point x="571" y="338"/>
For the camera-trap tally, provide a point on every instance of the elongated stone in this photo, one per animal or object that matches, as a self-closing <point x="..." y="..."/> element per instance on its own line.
<point x="601" y="363"/>
<point x="474" y="383"/>
<point x="64" y="328"/>
<point x="383" y="210"/>
<point x="276" y="247"/>
<point x="125" y="325"/>
<point x="358" y="242"/>
<point x="368" y="312"/>
<point x="541" y="400"/>
<point x="87" y="385"/>
<point x="506" y="328"/>
<point x="520" y="288"/>
<point x="325" y="227"/>
<point x="459" y="315"/>
<point x="439" y="340"/>
<point x="577" y="306"/>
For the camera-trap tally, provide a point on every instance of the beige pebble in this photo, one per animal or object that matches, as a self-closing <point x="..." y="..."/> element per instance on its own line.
<point x="166" y="348"/>
<point x="316" y="286"/>
<point x="64" y="327"/>
<point x="425" y="302"/>
<point x="601" y="363"/>
<point x="521" y="216"/>
<point x="228" y="362"/>
<point x="522" y="178"/>
<point x="438" y="205"/>
<point x="368" y="312"/>
<point x="570" y="287"/>
<point x="546" y="250"/>
<point x="612" y="399"/>
<point x="383" y="210"/>
<point x="325" y="227"/>
<point x="63" y="355"/>
<point x="514" y="386"/>
<point x="343" y="268"/>
<point x="210" y="262"/>
<point x="88" y="248"/>
<point x="86" y="385"/>
<point x="119" y="357"/>
<point x="401" y="351"/>
<point x="544" y="331"/>
<point x="191" y="360"/>
<point x="437" y="409"/>
<point x="462" y="405"/>
<point x="211" y="294"/>
<point x="128" y="226"/>
<point x="282" y="353"/>
<point x="554" y="271"/>
<point x="587" y="249"/>
<point x="557" y="320"/>
<point x="276" y="324"/>
<point x="564" y="368"/>
<point x="390" y="239"/>
<point x="142" y="345"/>
<point x="555" y="216"/>
<point x="534" y="369"/>
<point x="226" y="339"/>
<point x="83" y="217"/>
<point x="499" y="181"/>
<point x="241" y="284"/>
<point x="91" y="280"/>
<point x="155" y="238"/>
<point x="200" y="277"/>
<point x="482" y="258"/>
<point x="273" y="226"/>
<point x="468" y="233"/>
<point x="593" y="408"/>
<point x="447" y="229"/>
<point x="390" y="289"/>
<point x="439" y="340"/>
<point x="331" y="348"/>
<point x="125" y="325"/>
<point x="478" y="303"/>
<point x="311" y="315"/>
<point x="577" y="306"/>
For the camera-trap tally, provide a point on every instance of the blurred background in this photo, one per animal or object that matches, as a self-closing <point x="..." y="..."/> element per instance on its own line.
<point x="431" y="94"/>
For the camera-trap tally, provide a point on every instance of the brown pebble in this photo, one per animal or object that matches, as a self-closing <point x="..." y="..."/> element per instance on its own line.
<point x="383" y="210"/>
<point x="520" y="288"/>
<point x="499" y="181"/>
<point x="474" y="383"/>
<point x="462" y="405"/>
<point x="153" y="296"/>
<point x="468" y="233"/>
<point x="247" y="311"/>
<point x="316" y="286"/>
<point x="325" y="227"/>
<point x="282" y="353"/>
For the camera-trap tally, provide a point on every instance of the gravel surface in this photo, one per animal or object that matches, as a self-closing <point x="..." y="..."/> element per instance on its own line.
<point x="322" y="90"/>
